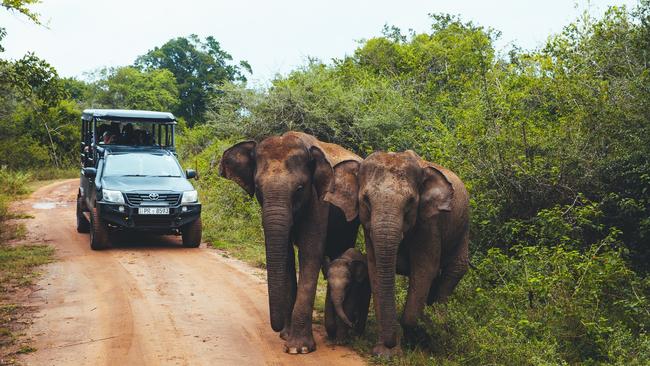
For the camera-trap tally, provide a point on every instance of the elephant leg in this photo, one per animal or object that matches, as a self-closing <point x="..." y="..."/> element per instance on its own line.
<point x="310" y="238"/>
<point x="363" y="306"/>
<point x="292" y="285"/>
<point x="330" y="317"/>
<point x="341" y="331"/>
<point x="452" y="272"/>
<point x="424" y="256"/>
<point x="301" y="339"/>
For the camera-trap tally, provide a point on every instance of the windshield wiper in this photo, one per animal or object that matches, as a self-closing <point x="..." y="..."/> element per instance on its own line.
<point x="168" y="176"/>
<point x="135" y="175"/>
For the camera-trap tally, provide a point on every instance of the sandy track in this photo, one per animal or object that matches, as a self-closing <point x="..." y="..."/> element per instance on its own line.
<point x="149" y="301"/>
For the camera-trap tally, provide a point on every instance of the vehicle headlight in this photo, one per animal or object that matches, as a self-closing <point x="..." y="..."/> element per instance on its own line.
<point x="112" y="196"/>
<point x="190" y="197"/>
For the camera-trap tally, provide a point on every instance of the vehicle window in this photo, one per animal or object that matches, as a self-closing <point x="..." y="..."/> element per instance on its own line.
<point x="141" y="165"/>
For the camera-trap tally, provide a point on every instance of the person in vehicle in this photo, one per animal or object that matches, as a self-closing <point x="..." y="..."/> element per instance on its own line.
<point x="101" y="130"/>
<point x="142" y="138"/>
<point x="111" y="134"/>
<point x="127" y="137"/>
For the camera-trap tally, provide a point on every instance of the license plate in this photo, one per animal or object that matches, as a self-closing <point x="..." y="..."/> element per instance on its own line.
<point x="153" y="210"/>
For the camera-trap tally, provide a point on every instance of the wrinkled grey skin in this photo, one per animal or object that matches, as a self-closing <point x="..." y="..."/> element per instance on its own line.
<point x="348" y="294"/>
<point x="289" y="175"/>
<point x="415" y="216"/>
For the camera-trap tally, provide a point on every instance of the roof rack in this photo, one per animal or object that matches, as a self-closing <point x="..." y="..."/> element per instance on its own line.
<point x="128" y="115"/>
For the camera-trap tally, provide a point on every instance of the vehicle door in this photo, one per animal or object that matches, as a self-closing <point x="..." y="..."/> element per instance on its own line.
<point x="86" y="158"/>
<point x="91" y="195"/>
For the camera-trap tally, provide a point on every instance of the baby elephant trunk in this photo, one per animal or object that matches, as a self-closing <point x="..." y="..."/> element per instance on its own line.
<point x="338" y="297"/>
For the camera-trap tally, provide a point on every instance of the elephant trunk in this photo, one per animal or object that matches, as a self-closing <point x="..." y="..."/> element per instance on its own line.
<point x="277" y="221"/>
<point x="338" y="296"/>
<point x="386" y="240"/>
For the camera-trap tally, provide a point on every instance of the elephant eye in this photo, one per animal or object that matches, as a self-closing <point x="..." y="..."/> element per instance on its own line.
<point x="300" y="188"/>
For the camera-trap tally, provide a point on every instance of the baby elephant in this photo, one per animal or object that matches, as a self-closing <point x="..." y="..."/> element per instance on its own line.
<point x="348" y="294"/>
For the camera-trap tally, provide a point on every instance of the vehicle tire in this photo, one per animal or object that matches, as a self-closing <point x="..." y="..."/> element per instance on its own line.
<point x="192" y="234"/>
<point x="98" y="231"/>
<point x="83" y="226"/>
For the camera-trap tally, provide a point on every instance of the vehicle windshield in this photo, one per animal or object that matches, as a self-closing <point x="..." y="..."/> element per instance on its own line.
<point x="134" y="133"/>
<point x="141" y="165"/>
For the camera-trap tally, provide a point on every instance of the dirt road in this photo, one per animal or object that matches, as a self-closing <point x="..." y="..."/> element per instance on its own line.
<point x="149" y="301"/>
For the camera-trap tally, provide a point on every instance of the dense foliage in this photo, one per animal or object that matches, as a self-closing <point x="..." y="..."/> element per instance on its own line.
<point x="130" y="88"/>
<point x="200" y="67"/>
<point x="36" y="119"/>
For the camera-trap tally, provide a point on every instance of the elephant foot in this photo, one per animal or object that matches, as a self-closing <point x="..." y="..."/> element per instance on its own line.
<point x="380" y="350"/>
<point x="300" y="345"/>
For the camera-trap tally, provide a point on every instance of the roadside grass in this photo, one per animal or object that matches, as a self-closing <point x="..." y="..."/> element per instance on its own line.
<point x="18" y="263"/>
<point x="17" y="270"/>
<point x="49" y="174"/>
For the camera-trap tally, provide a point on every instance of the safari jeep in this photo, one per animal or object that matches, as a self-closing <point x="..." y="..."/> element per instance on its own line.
<point x="131" y="179"/>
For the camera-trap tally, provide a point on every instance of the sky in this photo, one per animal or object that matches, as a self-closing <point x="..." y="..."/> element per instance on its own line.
<point x="276" y="36"/>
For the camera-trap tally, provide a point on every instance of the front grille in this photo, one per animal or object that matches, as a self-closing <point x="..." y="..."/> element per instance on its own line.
<point x="144" y="198"/>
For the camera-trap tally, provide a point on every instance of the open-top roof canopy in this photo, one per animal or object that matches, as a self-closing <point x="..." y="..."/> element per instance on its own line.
<point x="120" y="115"/>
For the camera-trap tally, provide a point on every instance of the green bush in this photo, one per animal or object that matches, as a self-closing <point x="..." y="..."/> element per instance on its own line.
<point x="546" y="305"/>
<point x="13" y="183"/>
<point x="231" y="219"/>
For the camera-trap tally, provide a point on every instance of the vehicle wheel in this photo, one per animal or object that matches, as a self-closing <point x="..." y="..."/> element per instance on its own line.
<point x="83" y="226"/>
<point x="192" y="234"/>
<point x="98" y="231"/>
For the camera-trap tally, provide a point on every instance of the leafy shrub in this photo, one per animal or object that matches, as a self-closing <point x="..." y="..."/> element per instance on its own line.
<point x="545" y="305"/>
<point x="231" y="219"/>
<point x="13" y="183"/>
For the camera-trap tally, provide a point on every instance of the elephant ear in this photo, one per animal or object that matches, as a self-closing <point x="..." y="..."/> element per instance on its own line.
<point x="344" y="192"/>
<point x="436" y="192"/>
<point x="238" y="165"/>
<point x="323" y="174"/>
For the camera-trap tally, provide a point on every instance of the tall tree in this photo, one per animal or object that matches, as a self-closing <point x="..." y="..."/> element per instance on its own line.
<point x="37" y="123"/>
<point x="200" y="67"/>
<point x="128" y="87"/>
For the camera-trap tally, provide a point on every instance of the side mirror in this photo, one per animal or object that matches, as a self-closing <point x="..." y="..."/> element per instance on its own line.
<point x="191" y="173"/>
<point x="89" y="172"/>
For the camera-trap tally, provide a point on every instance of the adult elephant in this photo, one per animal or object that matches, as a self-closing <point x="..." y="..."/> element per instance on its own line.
<point x="415" y="216"/>
<point x="290" y="175"/>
